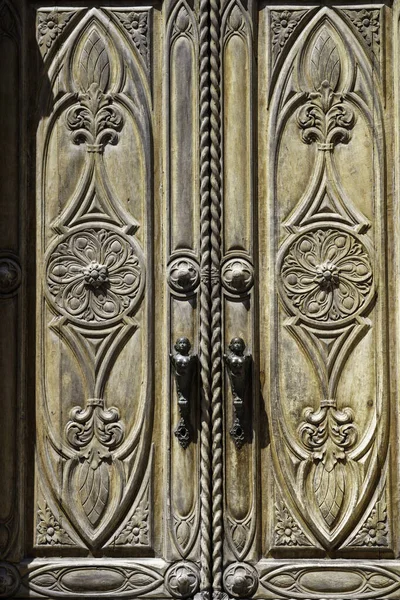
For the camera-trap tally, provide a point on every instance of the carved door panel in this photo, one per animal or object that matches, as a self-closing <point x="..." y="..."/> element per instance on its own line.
<point x="310" y="439"/>
<point x="102" y="135"/>
<point x="199" y="293"/>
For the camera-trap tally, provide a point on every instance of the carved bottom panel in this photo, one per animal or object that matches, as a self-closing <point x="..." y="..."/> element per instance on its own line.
<point x="91" y="578"/>
<point x="330" y="580"/>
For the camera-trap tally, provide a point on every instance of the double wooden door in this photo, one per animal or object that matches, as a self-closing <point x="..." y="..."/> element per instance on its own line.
<point x="199" y="295"/>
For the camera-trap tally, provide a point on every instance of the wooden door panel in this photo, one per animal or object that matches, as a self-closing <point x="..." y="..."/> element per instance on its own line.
<point x="326" y="476"/>
<point x="114" y="160"/>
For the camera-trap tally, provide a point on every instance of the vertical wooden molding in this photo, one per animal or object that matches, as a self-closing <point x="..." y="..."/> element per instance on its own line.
<point x="205" y="302"/>
<point x="216" y="341"/>
<point x="239" y="246"/>
<point x="183" y="274"/>
<point x="12" y="282"/>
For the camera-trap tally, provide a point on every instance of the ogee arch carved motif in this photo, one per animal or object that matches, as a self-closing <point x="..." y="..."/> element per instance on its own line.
<point x="328" y="285"/>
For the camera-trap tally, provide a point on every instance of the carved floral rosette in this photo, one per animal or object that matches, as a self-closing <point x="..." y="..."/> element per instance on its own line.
<point x="95" y="275"/>
<point x="327" y="285"/>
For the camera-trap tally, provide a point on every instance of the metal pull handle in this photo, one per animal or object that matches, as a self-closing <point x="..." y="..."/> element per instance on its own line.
<point x="238" y="365"/>
<point x="184" y="365"/>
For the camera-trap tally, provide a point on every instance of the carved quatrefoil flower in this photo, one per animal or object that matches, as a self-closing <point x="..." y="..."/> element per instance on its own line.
<point x="327" y="275"/>
<point x="237" y="276"/>
<point x="183" y="275"/>
<point x="9" y="580"/>
<point x="240" y="580"/>
<point x="94" y="275"/>
<point x="182" y="579"/>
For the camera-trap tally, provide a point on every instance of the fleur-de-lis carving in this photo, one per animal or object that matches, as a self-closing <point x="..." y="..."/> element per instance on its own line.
<point x="94" y="431"/>
<point x="329" y="434"/>
<point x="95" y="120"/>
<point x="326" y="118"/>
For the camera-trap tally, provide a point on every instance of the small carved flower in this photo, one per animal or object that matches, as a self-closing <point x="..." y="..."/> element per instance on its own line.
<point x="50" y="26"/>
<point x="367" y="23"/>
<point x="283" y="25"/>
<point x="287" y="532"/>
<point x="94" y="275"/>
<point x="327" y="275"/>
<point x="135" y="533"/>
<point x="49" y="531"/>
<point x="136" y="25"/>
<point x="374" y="531"/>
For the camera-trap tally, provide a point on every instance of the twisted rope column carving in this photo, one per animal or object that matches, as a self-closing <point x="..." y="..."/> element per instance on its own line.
<point x="216" y="353"/>
<point x="205" y="303"/>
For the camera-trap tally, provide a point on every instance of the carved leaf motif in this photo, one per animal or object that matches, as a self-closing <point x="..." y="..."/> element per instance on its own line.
<point x="325" y="61"/>
<point x="183" y="533"/>
<point x="182" y="22"/>
<point x="329" y="488"/>
<point x="7" y="21"/>
<point x="374" y="531"/>
<point x="236" y="20"/>
<point x="328" y="434"/>
<point x="94" y="487"/>
<point x="94" y="63"/>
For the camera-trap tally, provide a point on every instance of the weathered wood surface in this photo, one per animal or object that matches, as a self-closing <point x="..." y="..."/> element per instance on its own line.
<point x="199" y="291"/>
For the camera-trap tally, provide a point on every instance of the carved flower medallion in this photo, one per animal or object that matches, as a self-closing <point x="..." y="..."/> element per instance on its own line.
<point x="326" y="275"/>
<point x="240" y="580"/>
<point x="182" y="579"/>
<point x="237" y="276"/>
<point x="183" y="275"/>
<point x="94" y="275"/>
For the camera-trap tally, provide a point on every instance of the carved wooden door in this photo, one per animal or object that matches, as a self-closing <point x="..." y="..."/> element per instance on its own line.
<point x="100" y="275"/>
<point x="309" y="281"/>
<point x="199" y="292"/>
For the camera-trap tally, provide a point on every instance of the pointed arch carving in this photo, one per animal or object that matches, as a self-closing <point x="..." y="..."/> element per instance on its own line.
<point x="96" y="298"/>
<point x="331" y="293"/>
